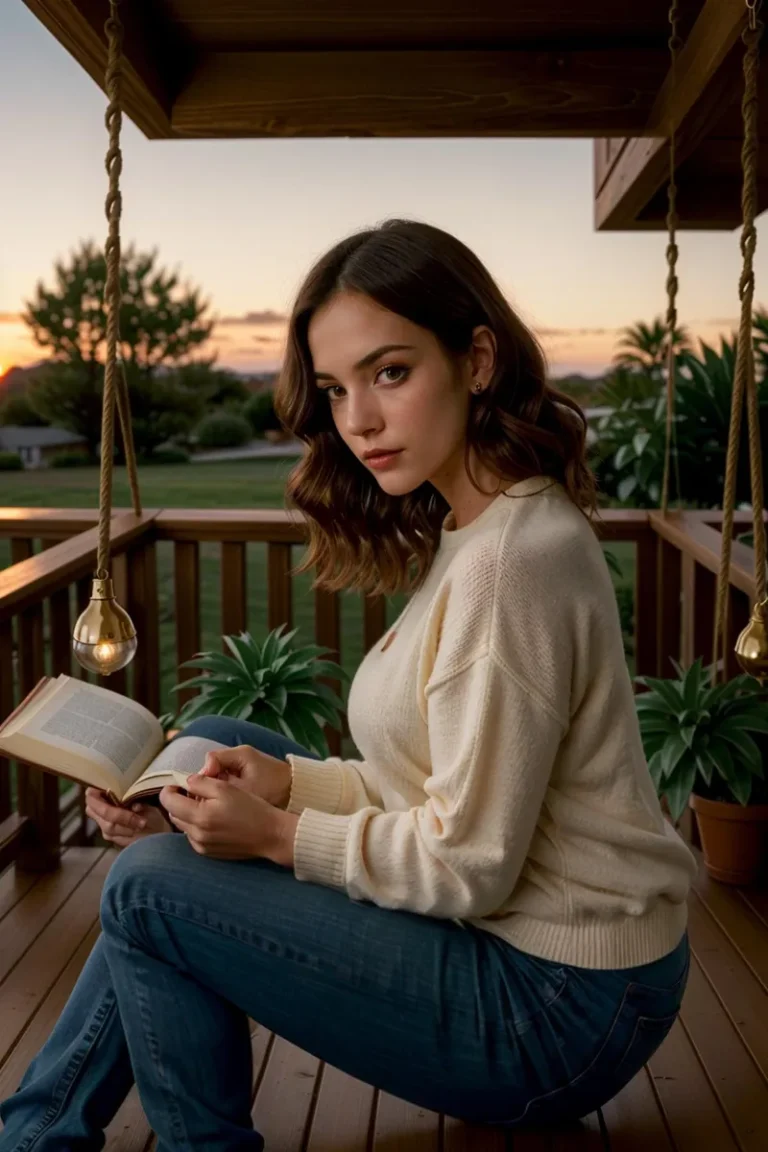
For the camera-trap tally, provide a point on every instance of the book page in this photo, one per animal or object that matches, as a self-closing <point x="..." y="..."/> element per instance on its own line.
<point x="99" y="726"/>
<point x="184" y="756"/>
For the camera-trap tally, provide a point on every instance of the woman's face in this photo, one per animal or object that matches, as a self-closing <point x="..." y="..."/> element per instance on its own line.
<point x="390" y="386"/>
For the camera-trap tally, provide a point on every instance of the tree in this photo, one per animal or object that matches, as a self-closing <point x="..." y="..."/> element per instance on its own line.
<point x="161" y="325"/>
<point x="644" y="346"/>
<point x="16" y="409"/>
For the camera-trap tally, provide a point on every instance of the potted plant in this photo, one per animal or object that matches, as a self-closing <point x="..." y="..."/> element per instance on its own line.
<point x="700" y="742"/>
<point x="273" y="684"/>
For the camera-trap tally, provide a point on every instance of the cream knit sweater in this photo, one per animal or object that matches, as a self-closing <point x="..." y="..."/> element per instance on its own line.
<point x="503" y="780"/>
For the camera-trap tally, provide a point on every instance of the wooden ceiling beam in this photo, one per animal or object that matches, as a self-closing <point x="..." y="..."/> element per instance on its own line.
<point x="148" y="86"/>
<point x="413" y="93"/>
<point x="691" y="101"/>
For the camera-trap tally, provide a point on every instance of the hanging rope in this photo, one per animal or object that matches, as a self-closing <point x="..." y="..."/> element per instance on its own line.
<point x="112" y="297"/>
<point x="672" y="284"/>
<point x="744" y="374"/>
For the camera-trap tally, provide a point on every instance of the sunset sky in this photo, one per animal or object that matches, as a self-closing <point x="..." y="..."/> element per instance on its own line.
<point x="244" y="219"/>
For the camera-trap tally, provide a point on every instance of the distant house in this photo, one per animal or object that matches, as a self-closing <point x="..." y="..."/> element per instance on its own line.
<point x="36" y="446"/>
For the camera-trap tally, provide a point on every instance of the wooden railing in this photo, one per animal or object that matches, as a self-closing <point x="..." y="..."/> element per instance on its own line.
<point x="676" y="560"/>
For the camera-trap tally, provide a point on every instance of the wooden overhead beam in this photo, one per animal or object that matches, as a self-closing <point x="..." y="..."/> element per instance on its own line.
<point x="691" y="100"/>
<point x="412" y="93"/>
<point x="147" y="94"/>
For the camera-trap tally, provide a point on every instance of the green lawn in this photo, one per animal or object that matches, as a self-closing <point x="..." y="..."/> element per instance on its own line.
<point x="234" y="484"/>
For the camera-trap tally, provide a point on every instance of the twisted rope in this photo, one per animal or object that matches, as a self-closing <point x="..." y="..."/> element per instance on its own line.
<point x="672" y="283"/>
<point x="744" y="374"/>
<point x="112" y="297"/>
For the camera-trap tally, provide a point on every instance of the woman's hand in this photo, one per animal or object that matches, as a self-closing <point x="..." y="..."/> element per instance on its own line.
<point x="262" y="775"/>
<point x="121" y="826"/>
<point x="226" y="819"/>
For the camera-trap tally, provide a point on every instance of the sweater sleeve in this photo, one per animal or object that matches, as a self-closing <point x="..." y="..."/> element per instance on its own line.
<point x="332" y="785"/>
<point x="493" y="741"/>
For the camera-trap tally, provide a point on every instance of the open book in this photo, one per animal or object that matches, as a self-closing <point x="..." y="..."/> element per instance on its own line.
<point x="94" y="736"/>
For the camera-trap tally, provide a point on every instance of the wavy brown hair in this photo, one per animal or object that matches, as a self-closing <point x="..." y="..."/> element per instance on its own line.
<point x="359" y="536"/>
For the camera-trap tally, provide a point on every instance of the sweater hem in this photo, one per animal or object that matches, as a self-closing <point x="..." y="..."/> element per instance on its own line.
<point x="604" y="944"/>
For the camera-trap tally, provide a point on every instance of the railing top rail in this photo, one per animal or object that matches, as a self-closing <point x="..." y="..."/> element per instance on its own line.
<point x="272" y="525"/>
<point x="693" y="537"/>
<point x="32" y="580"/>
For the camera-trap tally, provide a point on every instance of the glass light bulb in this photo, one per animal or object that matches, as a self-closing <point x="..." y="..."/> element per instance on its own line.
<point x="104" y="639"/>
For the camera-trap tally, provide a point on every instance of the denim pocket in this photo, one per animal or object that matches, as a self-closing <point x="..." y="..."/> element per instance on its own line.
<point x="648" y="1035"/>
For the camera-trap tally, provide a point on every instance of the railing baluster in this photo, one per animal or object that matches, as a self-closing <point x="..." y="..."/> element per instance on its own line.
<point x="234" y="608"/>
<point x="7" y="702"/>
<point x="279" y="586"/>
<point x="186" y="575"/>
<point x="22" y="548"/>
<point x="669" y="618"/>
<point x="646" y="606"/>
<point x="374" y="619"/>
<point x="328" y="635"/>
<point x="38" y="791"/>
<point x="143" y="609"/>
<point x="698" y="611"/>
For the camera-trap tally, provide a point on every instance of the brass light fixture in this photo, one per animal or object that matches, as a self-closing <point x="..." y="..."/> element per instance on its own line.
<point x="104" y="638"/>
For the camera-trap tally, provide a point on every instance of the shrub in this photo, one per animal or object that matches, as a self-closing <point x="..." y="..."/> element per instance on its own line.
<point x="169" y="455"/>
<point x="260" y="413"/>
<point x="10" y="462"/>
<point x="223" y="430"/>
<point x="71" y="459"/>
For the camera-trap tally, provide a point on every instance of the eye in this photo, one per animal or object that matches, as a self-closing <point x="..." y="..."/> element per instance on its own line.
<point x="394" y="368"/>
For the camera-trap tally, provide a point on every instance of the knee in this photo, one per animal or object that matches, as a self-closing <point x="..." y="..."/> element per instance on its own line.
<point x="222" y="729"/>
<point x="134" y="877"/>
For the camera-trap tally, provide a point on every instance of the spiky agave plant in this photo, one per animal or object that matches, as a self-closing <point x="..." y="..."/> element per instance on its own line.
<point x="273" y="684"/>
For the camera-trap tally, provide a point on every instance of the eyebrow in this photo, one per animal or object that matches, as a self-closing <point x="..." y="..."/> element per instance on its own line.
<point x="370" y="358"/>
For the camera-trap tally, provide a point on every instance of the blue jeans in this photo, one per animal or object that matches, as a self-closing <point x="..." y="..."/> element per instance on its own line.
<point x="441" y="1014"/>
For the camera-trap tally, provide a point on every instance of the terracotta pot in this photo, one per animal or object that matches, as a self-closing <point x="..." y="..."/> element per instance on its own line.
<point x="734" y="839"/>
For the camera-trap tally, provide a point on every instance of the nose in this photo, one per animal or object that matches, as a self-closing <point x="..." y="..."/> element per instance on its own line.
<point x="363" y="414"/>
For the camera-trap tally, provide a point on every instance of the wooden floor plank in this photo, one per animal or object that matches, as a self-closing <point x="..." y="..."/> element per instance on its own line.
<point x="690" y="1106"/>
<point x="284" y="1097"/>
<point x="27" y="985"/>
<point x="634" y="1120"/>
<point x="741" y="1090"/>
<point x="14" y="886"/>
<point x="738" y="920"/>
<point x="461" y="1137"/>
<point x="342" y="1116"/>
<point x="585" y="1137"/>
<point x="741" y="994"/>
<point x="403" y="1127"/>
<point x="757" y="900"/>
<point x="24" y="923"/>
<point x="129" y="1130"/>
<point x="40" y="1026"/>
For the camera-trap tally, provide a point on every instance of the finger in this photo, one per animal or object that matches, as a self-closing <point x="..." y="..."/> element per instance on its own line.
<point x="208" y="787"/>
<point x="116" y="816"/>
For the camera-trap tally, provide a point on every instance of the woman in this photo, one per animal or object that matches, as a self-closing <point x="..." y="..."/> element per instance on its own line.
<point x="486" y="914"/>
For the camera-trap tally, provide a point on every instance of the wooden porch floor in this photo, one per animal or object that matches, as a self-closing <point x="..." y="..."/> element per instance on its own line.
<point x="707" y="1088"/>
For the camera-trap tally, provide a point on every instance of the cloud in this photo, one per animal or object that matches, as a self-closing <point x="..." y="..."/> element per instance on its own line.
<point x="717" y="322"/>
<point x="10" y="317"/>
<point x="254" y="318"/>
<point x="550" y="333"/>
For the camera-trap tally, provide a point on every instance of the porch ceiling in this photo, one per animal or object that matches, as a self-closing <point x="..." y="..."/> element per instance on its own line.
<point x="277" y="68"/>
<point x="454" y="68"/>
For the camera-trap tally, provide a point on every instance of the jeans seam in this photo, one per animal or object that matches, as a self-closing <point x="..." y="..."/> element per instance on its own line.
<point x="564" y="1087"/>
<point x="68" y="1077"/>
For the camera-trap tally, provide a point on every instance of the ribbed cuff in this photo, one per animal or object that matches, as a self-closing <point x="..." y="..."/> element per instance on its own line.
<point x="314" y="784"/>
<point x="320" y="848"/>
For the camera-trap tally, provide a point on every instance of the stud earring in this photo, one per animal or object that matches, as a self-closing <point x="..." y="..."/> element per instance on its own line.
<point x="478" y="386"/>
